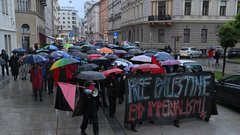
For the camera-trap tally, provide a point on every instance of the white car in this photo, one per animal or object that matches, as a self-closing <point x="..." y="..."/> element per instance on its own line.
<point x="191" y="65"/>
<point x="190" y="52"/>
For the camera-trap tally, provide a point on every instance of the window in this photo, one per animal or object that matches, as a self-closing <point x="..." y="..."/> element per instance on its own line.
<point x="73" y="13"/>
<point x="223" y="5"/>
<point x="63" y="13"/>
<point x="187" y="7"/>
<point x="142" y="35"/>
<point x="63" y="22"/>
<point x="73" y="22"/>
<point x="68" y="22"/>
<point x="63" y="18"/>
<point x="63" y="26"/>
<point x="68" y="18"/>
<point x="160" y="35"/>
<point x="22" y="5"/>
<point x="73" y="18"/>
<point x="25" y="28"/>
<point x="205" y="7"/>
<point x="68" y="26"/>
<point x="161" y="7"/>
<point x="238" y="7"/>
<point x="186" y="36"/>
<point x="204" y="35"/>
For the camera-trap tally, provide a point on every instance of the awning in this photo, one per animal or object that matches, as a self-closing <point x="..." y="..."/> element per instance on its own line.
<point x="47" y="36"/>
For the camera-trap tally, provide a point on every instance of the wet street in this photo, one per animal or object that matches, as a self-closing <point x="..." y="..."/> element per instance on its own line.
<point x="21" y="115"/>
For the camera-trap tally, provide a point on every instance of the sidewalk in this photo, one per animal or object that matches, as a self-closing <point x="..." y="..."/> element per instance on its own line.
<point x="21" y="115"/>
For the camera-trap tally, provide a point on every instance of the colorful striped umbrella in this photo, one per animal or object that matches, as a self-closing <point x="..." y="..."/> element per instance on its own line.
<point x="64" y="62"/>
<point x="66" y="46"/>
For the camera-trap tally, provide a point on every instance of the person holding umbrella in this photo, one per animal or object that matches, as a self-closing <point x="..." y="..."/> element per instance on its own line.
<point x="49" y="75"/>
<point x="13" y="63"/>
<point x="90" y="107"/>
<point x="37" y="81"/>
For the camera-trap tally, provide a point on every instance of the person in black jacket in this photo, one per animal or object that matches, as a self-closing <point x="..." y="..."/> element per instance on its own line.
<point x="90" y="108"/>
<point x="5" y="57"/>
<point x="112" y="89"/>
<point x="49" y="75"/>
<point x="13" y="62"/>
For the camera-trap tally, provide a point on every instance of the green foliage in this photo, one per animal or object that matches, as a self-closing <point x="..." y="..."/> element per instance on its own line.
<point x="228" y="35"/>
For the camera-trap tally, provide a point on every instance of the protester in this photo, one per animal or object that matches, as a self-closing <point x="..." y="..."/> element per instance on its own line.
<point x="37" y="81"/>
<point x="13" y="63"/>
<point x="112" y="89"/>
<point x="90" y="108"/>
<point x="210" y="55"/>
<point x="4" y="56"/>
<point x="49" y="76"/>
<point x="217" y="57"/>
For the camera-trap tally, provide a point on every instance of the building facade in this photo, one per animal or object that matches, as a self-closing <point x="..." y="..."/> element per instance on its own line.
<point x="92" y="22"/>
<point x="178" y="23"/>
<point x="7" y="26"/>
<point x="30" y="22"/>
<point x="104" y="20"/>
<point x="69" y="23"/>
<point x="114" y="21"/>
<point x="49" y="20"/>
<point x="55" y="17"/>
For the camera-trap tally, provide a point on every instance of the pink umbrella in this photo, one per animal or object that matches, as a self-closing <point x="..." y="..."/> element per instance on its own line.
<point x="170" y="62"/>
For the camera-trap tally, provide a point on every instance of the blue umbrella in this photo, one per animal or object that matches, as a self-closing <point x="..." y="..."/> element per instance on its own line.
<point x="51" y="47"/>
<point x="162" y="56"/>
<point x="59" y="54"/>
<point x="33" y="58"/>
<point x="19" y="50"/>
<point x="44" y="54"/>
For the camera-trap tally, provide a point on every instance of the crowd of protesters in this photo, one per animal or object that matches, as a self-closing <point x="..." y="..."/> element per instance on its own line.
<point x="43" y="79"/>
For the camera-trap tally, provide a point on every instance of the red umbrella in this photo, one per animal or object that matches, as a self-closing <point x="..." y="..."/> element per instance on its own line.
<point x="152" y="68"/>
<point x="114" y="70"/>
<point x="94" y="56"/>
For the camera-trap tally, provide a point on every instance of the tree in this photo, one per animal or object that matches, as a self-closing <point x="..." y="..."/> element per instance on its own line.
<point x="229" y="35"/>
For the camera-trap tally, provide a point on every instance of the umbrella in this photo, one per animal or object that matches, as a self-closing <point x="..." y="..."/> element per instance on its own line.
<point x="56" y="55"/>
<point x="128" y="68"/>
<point x="141" y="58"/>
<point x="19" y="50"/>
<point x="152" y="68"/>
<point x="42" y="50"/>
<point x="91" y="75"/>
<point x="114" y="70"/>
<point x="74" y="48"/>
<point x="129" y="47"/>
<point x="102" y="61"/>
<point x="93" y="52"/>
<point x="135" y="51"/>
<point x="111" y="56"/>
<point x="119" y="51"/>
<point x="86" y="48"/>
<point x="161" y="56"/>
<point x="94" y="56"/>
<point x="87" y="67"/>
<point x="33" y="58"/>
<point x="66" y="46"/>
<point x="50" y="47"/>
<point x="106" y="50"/>
<point x="79" y="55"/>
<point x="64" y="62"/>
<point x="122" y="62"/>
<point x="170" y="62"/>
<point x="44" y="54"/>
<point x="2" y="61"/>
<point x="112" y="45"/>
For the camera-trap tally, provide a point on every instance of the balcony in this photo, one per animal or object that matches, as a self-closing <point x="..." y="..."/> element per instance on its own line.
<point x="159" y="18"/>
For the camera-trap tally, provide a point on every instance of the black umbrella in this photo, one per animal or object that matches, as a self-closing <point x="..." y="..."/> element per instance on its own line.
<point x="102" y="61"/>
<point x="19" y="50"/>
<point x="87" y="67"/>
<point x="135" y="51"/>
<point x="91" y="75"/>
<point x="2" y="61"/>
<point x="119" y="51"/>
<point x="79" y="55"/>
<point x="93" y="52"/>
<point x="112" y="56"/>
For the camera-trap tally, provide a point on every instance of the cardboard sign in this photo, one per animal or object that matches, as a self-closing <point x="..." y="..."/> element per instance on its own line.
<point x="169" y="96"/>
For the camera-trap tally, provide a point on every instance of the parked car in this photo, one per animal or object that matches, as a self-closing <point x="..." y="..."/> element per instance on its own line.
<point x="228" y="89"/>
<point x="193" y="66"/>
<point x="190" y="52"/>
<point x="234" y="52"/>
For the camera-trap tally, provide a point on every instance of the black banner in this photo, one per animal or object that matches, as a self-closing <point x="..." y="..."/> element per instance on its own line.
<point x="169" y="96"/>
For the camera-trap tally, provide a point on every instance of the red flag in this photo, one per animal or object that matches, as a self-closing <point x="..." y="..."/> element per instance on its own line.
<point x="155" y="61"/>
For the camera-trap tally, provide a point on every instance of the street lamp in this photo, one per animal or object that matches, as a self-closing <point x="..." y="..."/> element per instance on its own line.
<point x="176" y="38"/>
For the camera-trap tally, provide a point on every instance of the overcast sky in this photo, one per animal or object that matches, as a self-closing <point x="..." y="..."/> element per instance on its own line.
<point x="78" y="4"/>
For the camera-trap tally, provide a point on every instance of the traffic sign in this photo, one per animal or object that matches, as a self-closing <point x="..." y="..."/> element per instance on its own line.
<point x="115" y="35"/>
<point x="70" y="34"/>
